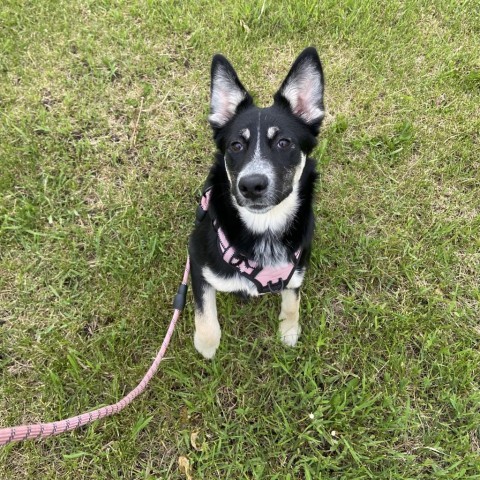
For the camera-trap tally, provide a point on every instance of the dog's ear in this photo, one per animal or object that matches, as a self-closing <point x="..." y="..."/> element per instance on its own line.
<point x="302" y="89"/>
<point x="227" y="92"/>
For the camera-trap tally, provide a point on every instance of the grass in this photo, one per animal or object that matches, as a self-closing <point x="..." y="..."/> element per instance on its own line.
<point x="104" y="146"/>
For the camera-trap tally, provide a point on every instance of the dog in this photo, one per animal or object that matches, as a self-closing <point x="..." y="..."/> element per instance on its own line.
<point x="255" y="223"/>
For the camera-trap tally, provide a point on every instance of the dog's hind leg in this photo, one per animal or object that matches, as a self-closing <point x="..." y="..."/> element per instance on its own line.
<point x="289" y="316"/>
<point x="207" y="329"/>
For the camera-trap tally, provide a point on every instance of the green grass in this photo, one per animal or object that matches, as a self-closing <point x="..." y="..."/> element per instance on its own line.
<point x="95" y="214"/>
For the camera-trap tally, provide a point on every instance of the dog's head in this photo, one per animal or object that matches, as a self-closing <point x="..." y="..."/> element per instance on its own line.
<point x="265" y="149"/>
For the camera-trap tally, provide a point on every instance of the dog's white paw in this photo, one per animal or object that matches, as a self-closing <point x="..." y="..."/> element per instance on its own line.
<point x="289" y="332"/>
<point x="207" y="341"/>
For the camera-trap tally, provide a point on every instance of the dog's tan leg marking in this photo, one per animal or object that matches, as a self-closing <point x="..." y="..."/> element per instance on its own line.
<point x="289" y="314"/>
<point x="207" y="329"/>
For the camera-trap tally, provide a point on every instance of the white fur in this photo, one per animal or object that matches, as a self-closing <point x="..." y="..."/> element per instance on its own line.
<point x="272" y="131"/>
<point x="304" y="92"/>
<point x="226" y="169"/>
<point x="207" y="329"/>
<point x="299" y="170"/>
<point x="245" y="133"/>
<point x="226" y="96"/>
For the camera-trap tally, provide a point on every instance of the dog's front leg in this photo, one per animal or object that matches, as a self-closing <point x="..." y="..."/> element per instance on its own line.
<point x="207" y="329"/>
<point x="289" y="316"/>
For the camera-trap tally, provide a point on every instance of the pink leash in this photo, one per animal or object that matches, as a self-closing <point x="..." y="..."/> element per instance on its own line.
<point x="43" y="430"/>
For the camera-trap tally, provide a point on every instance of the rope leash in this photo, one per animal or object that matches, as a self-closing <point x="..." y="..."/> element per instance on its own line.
<point x="43" y="430"/>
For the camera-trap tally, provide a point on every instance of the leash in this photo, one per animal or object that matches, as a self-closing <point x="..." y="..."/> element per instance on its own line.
<point x="43" y="430"/>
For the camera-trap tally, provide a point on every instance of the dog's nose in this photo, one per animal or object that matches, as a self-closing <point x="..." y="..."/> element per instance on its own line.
<point x="253" y="186"/>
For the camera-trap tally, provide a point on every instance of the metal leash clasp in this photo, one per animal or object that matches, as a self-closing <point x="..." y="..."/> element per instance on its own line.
<point x="275" y="287"/>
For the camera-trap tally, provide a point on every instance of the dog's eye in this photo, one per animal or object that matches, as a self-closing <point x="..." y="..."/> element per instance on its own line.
<point x="236" y="147"/>
<point x="283" y="143"/>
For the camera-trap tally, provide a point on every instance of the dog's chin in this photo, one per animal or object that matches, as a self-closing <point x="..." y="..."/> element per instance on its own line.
<point x="256" y="208"/>
<point x="259" y="207"/>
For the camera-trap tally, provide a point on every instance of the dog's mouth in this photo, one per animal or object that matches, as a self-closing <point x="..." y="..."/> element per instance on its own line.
<point x="261" y="205"/>
<point x="257" y="207"/>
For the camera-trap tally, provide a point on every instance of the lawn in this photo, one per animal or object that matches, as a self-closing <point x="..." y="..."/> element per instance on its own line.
<point x="104" y="146"/>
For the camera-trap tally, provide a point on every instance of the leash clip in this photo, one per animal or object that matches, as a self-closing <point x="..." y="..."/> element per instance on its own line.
<point x="275" y="287"/>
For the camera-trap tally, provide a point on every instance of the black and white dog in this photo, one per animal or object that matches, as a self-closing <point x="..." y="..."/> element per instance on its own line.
<point x="255" y="224"/>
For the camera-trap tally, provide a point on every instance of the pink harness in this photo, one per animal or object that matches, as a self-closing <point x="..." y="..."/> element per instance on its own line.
<point x="266" y="279"/>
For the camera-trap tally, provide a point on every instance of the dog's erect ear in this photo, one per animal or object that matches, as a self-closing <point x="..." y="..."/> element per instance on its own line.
<point x="302" y="90"/>
<point x="227" y="92"/>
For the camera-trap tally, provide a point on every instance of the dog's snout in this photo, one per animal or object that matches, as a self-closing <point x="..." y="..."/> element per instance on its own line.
<point x="253" y="186"/>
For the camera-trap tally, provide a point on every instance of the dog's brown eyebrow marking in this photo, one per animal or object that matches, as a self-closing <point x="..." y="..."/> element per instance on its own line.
<point x="272" y="131"/>
<point x="245" y="133"/>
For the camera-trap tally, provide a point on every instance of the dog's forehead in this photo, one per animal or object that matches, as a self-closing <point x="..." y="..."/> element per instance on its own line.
<point x="265" y="122"/>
